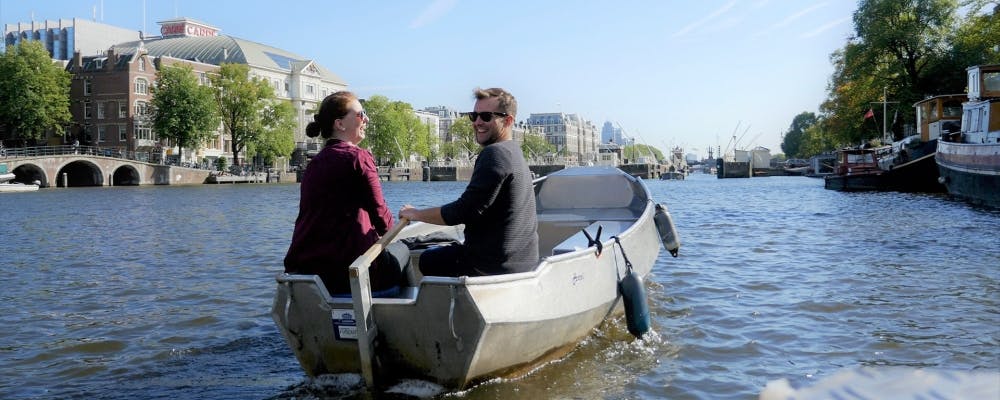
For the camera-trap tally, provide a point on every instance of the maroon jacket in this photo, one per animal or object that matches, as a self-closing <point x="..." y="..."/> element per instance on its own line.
<point x="341" y="214"/>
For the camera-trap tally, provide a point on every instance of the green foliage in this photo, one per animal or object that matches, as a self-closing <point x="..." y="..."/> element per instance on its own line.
<point x="535" y="146"/>
<point x="815" y="141"/>
<point x="34" y="92"/>
<point x="276" y="136"/>
<point x="976" y="41"/>
<point x="220" y="163"/>
<point x="464" y="138"/>
<point x="633" y="152"/>
<point x="793" y="138"/>
<point x="394" y="131"/>
<point x="243" y="105"/>
<point x="906" y="49"/>
<point x="182" y="109"/>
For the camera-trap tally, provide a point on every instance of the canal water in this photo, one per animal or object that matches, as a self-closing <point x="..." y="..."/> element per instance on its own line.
<point x="165" y="293"/>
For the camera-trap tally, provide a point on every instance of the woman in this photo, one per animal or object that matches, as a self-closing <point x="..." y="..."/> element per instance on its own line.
<point x="341" y="210"/>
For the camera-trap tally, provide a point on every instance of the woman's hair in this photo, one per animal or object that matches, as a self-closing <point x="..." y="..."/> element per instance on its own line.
<point x="333" y="107"/>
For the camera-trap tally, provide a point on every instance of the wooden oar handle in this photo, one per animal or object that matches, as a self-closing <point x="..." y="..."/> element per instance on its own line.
<point x="369" y="256"/>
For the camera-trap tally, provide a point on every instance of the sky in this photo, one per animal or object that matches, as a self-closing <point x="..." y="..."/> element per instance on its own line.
<point x="718" y="74"/>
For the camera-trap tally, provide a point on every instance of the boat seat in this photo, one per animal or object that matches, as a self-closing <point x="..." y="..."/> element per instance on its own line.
<point x="579" y="241"/>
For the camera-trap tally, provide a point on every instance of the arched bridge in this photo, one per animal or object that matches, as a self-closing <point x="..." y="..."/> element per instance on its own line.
<point x="69" y="166"/>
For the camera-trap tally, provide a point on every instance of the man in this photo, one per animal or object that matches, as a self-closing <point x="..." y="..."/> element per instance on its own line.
<point x="497" y="207"/>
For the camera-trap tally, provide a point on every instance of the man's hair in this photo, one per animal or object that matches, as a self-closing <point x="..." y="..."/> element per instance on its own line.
<point x="508" y="104"/>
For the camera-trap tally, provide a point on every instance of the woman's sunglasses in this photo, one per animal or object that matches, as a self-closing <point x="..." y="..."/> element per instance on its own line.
<point x="486" y="116"/>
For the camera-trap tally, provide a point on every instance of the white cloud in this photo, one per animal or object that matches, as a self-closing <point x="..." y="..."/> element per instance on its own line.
<point x="695" y="25"/>
<point x="433" y="12"/>
<point x="799" y="14"/>
<point x="826" y="27"/>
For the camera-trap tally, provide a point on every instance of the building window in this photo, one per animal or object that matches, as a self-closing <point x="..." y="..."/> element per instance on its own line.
<point x="101" y="131"/>
<point x="86" y="110"/>
<point x="203" y="79"/>
<point x="286" y="87"/>
<point x="140" y="108"/>
<point x="143" y="132"/>
<point x="100" y="110"/>
<point x="311" y="91"/>
<point x="122" y="110"/>
<point x="86" y="87"/>
<point x="141" y="86"/>
<point x="142" y="64"/>
<point x="122" y="135"/>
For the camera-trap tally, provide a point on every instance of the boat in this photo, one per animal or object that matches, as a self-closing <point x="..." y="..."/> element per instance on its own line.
<point x="7" y="183"/>
<point x="821" y="165"/>
<point x="677" y="166"/>
<point x="795" y="166"/>
<point x="857" y="170"/>
<point x="911" y="165"/>
<point x="672" y="175"/>
<point x="597" y="226"/>
<point x="969" y="161"/>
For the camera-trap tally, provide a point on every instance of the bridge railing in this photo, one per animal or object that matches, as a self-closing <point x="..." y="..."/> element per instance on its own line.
<point x="66" y="150"/>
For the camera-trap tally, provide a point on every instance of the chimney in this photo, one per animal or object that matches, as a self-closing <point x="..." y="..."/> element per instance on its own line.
<point x="112" y="59"/>
<point x="77" y="60"/>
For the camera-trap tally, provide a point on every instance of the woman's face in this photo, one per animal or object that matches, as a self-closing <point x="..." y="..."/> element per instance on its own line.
<point x="354" y="123"/>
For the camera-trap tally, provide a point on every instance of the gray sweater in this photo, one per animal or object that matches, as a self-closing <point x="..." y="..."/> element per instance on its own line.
<point x="498" y="210"/>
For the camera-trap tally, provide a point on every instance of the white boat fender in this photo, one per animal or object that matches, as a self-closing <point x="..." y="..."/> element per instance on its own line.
<point x="668" y="232"/>
<point x="634" y="298"/>
<point x="594" y="240"/>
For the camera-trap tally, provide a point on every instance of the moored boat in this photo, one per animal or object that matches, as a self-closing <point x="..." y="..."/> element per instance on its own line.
<point x="969" y="161"/>
<point x="857" y="170"/>
<point x="596" y="225"/>
<point x="8" y="185"/>
<point x="910" y="164"/>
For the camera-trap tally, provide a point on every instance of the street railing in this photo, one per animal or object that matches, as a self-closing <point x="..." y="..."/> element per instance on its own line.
<point x="66" y="150"/>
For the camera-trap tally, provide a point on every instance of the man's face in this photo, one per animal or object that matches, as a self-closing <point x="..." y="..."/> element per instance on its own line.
<point x="488" y="132"/>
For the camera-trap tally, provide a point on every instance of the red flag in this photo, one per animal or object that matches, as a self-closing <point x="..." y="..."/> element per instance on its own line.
<point x="869" y="114"/>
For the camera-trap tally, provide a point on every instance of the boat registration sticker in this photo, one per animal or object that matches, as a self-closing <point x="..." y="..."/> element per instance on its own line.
<point x="344" y="324"/>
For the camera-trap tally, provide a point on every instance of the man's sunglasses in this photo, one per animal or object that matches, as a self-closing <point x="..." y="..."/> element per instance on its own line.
<point x="486" y="116"/>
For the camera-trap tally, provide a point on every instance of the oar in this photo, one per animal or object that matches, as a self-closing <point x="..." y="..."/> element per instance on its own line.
<point x="361" y="294"/>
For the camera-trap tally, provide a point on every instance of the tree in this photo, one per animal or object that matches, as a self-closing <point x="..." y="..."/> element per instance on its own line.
<point x="535" y="146"/>
<point x="975" y="41"/>
<point x="182" y="109"/>
<point x="793" y="138"/>
<point x="464" y="138"/>
<point x="34" y="92"/>
<point x="243" y="103"/>
<point x="277" y="133"/>
<point x="384" y="126"/>
<point x="895" y="55"/>
<point x="634" y="151"/>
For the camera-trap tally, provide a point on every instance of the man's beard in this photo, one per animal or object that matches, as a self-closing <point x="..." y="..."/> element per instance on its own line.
<point x="492" y="138"/>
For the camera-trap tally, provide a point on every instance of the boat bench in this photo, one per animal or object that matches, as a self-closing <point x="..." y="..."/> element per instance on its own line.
<point x="557" y="226"/>
<point x="579" y="240"/>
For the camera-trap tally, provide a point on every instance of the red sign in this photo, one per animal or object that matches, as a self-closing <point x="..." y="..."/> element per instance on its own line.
<point x="187" y="30"/>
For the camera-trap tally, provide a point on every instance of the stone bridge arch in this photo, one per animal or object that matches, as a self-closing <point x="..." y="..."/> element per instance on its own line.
<point x="77" y="173"/>
<point x="96" y="170"/>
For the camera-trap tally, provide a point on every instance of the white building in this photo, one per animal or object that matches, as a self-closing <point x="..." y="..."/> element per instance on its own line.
<point x="65" y="37"/>
<point x="446" y="117"/>
<point x="293" y="77"/>
<point x="573" y="136"/>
